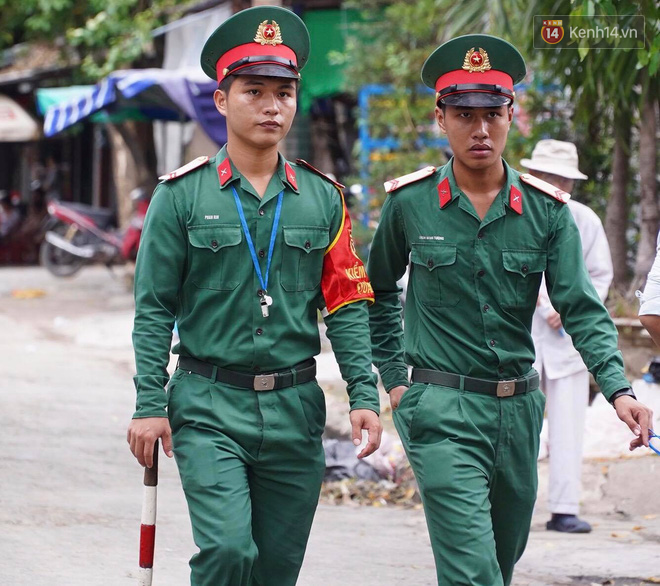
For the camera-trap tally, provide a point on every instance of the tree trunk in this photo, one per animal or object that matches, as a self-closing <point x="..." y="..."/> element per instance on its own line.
<point x="648" y="205"/>
<point x="133" y="163"/>
<point x="616" y="215"/>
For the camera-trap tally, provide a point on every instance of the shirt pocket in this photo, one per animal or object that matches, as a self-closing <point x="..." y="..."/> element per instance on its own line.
<point x="302" y="257"/>
<point x="215" y="256"/>
<point x="523" y="270"/>
<point x="433" y="274"/>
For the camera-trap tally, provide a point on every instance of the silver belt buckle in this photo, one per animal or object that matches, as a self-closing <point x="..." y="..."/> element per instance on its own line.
<point x="264" y="382"/>
<point x="506" y="388"/>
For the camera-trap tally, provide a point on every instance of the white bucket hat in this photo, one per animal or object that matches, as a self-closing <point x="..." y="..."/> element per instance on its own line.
<point x="556" y="157"/>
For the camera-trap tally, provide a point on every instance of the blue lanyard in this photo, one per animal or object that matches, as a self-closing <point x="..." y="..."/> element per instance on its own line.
<point x="651" y="436"/>
<point x="273" y="233"/>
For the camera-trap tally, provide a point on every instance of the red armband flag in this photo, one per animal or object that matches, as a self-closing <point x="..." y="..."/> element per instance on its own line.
<point x="344" y="278"/>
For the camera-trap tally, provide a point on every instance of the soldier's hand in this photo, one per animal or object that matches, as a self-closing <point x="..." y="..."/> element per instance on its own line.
<point x="142" y="435"/>
<point x="637" y="416"/>
<point x="395" y="396"/>
<point x="366" y="419"/>
<point x="553" y="319"/>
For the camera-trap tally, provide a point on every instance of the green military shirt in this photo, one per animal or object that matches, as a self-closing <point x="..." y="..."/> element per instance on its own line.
<point x="474" y="283"/>
<point x="194" y="266"/>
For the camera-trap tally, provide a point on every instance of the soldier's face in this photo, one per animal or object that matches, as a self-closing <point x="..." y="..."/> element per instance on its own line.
<point x="477" y="136"/>
<point x="259" y="110"/>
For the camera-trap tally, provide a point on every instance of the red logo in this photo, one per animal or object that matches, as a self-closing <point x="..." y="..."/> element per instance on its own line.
<point x="552" y="31"/>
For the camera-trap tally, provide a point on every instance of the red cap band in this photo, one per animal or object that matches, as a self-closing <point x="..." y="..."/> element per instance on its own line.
<point x="253" y="50"/>
<point x="460" y="76"/>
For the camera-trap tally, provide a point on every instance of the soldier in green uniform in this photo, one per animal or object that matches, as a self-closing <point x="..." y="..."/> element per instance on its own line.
<point x="243" y="249"/>
<point x="479" y="236"/>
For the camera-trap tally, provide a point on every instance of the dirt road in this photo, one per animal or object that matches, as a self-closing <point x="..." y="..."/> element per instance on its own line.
<point x="70" y="492"/>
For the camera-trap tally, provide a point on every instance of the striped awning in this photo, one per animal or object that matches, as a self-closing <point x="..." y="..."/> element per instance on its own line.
<point x="158" y="94"/>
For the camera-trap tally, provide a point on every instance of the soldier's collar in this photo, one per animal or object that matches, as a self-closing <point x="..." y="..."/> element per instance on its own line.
<point x="228" y="173"/>
<point x="448" y="190"/>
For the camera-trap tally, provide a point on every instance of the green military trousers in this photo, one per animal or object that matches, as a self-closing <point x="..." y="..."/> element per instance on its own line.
<point x="251" y="465"/>
<point x="474" y="457"/>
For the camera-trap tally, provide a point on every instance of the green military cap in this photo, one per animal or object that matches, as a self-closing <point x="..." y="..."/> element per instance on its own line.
<point x="263" y="40"/>
<point x="474" y="71"/>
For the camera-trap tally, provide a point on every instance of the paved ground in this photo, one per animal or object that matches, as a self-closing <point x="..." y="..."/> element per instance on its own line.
<point x="70" y="492"/>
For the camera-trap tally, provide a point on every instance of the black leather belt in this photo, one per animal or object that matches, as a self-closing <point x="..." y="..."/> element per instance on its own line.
<point x="296" y="375"/>
<point x="498" y="388"/>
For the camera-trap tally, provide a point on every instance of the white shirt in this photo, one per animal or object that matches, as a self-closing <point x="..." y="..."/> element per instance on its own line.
<point x="554" y="348"/>
<point x="650" y="299"/>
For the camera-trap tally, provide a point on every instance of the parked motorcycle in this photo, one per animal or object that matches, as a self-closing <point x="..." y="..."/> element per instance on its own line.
<point x="79" y="234"/>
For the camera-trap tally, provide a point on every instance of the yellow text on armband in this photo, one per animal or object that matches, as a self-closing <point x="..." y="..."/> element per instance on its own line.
<point x="356" y="272"/>
<point x="364" y="287"/>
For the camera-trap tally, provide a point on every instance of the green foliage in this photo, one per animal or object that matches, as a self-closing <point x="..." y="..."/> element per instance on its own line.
<point x="548" y="113"/>
<point x="618" y="77"/>
<point x="388" y="48"/>
<point x="108" y="34"/>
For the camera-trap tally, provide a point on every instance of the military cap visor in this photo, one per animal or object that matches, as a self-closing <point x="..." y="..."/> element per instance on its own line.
<point x="475" y="100"/>
<point x="268" y="71"/>
<point x="263" y="40"/>
<point x="483" y="67"/>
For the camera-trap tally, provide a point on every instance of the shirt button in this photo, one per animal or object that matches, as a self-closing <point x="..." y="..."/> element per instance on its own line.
<point x="214" y="244"/>
<point x="262" y="253"/>
<point x="259" y="331"/>
<point x="261" y="212"/>
<point x="308" y="244"/>
<point x="429" y="264"/>
<point x="480" y="235"/>
<point x="492" y="342"/>
<point x="500" y="370"/>
<point x="260" y="292"/>
<point x="486" y="307"/>
<point x="481" y="273"/>
<point x="524" y="269"/>
<point x="257" y="369"/>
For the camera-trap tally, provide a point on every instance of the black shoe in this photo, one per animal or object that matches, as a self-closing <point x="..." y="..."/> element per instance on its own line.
<point x="567" y="524"/>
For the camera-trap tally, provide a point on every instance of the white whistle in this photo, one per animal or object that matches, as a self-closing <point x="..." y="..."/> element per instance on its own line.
<point x="266" y="302"/>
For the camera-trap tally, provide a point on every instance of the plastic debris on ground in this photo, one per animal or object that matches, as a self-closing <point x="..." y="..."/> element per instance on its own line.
<point x="384" y="478"/>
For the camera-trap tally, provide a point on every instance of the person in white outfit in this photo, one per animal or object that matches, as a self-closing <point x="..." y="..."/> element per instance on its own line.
<point x="564" y="376"/>
<point x="649" y="309"/>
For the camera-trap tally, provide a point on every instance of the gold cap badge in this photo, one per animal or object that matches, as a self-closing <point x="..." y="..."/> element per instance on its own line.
<point x="268" y="34"/>
<point x="476" y="61"/>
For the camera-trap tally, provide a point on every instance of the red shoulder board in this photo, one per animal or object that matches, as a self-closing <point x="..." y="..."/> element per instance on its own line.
<point x="315" y="170"/>
<point x="394" y="184"/>
<point x="187" y="168"/>
<point x="545" y="187"/>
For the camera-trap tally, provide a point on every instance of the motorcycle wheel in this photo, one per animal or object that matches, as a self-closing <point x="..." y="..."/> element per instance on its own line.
<point x="57" y="261"/>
